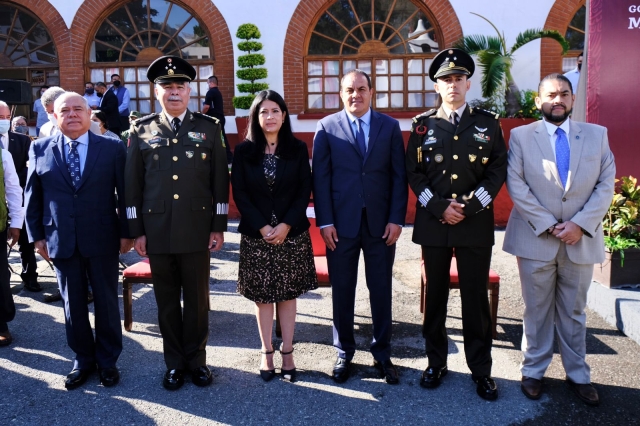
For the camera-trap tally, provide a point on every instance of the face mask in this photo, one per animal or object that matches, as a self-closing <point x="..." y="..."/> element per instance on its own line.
<point x="99" y="94"/>
<point x="89" y="91"/>
<point x="52" y="119"/>
<point x="5" y="125"/>
<point x="116" y="83"/>
<point x="22" y="129"/>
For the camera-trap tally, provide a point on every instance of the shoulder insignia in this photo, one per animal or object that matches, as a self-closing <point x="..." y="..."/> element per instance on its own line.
<point x="208" y="117"/>
<point x="145" y="118"/>
<point x="485" y="112"/>
<point x="424" y="115"/>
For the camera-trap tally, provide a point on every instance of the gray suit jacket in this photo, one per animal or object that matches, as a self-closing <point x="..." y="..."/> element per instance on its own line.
<point x="540" y="201"/>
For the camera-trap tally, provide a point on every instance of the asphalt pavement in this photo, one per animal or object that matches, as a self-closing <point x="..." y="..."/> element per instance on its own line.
<point x="33" y="368"/>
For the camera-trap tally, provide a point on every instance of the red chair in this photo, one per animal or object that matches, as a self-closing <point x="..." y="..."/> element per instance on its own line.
<point x="138" y="273"/>
<point x="493" y="285"/>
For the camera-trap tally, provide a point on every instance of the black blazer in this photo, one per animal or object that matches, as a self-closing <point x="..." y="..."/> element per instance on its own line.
<point x="19" y="150"/>
<point x="109" y="106"/>
<point x="290" y="196"/>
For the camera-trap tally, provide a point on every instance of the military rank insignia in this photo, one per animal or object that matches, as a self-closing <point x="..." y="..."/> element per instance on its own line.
<point x="189" y="154"/>
<point x="485" y="160"/>
<point x="204" y="156"/>
<point x="438" y="158"/>
<point x="472" y="157"/>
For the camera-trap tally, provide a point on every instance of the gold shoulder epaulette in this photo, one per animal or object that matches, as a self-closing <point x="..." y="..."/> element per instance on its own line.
<point x="208" y="117"/>
<point x="484" y="112"/>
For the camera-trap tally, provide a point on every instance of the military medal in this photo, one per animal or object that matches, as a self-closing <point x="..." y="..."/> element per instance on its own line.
<point x="472" y="157"/>
<point x="154" y="132"/>
<point x="189" y="154"/>
<point x="484" y="160"/>
<point x="421" y="130"/>
<point x="430" y="132"/>
<point x="438" y="158"/>
<point x="204" y="156"/>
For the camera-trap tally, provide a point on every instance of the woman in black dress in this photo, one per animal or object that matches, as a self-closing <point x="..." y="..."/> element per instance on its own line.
<point x="271" y="182"/>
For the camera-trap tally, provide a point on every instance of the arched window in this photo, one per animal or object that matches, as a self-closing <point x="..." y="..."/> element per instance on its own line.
<point x="131" y="37"/>
<point x="575" y="36"/>
<point x="393" y="41"/>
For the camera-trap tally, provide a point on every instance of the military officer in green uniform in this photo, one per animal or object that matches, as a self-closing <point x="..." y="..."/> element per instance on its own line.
<point x="177" y="195"/>
<point x="456" y="163"/>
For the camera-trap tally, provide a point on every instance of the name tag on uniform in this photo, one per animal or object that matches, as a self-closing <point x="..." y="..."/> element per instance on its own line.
<point x="155" y="141"/>
<point x="195" y="136"/>
<point x="430" y="140"/>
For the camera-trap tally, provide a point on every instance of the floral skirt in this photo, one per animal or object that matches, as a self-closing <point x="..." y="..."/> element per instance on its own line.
<point x="271" y="273"/>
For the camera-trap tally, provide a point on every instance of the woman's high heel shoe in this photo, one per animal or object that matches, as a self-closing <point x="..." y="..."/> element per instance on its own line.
<point x="289" y="375"/>
<point x="267" y="375"/>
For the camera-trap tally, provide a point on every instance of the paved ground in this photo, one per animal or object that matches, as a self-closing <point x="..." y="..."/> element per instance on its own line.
<point x="33" y="367"/>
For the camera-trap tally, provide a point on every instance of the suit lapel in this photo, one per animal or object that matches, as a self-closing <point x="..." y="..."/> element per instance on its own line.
<point x="258" y="176"/>
<point x="576" y="143"/>
<point x="542" y="140"/>
<point x="93" y="151"/>
<point x="281" y="166"/>
<point x="187" y="124"/>
<point x="58" y="155"/>
<point x="465" y="121"/>
<point x="345" y="125"/>
<point x="375" y="124"/>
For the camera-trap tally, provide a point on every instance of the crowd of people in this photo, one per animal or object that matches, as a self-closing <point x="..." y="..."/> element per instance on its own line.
<point x="171" y="183"/>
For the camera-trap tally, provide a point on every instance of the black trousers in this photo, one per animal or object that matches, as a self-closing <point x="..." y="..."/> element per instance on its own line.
<point x="7" y="307"/>
<point x="28" y="257"/>
<point x="473" y="273"/>
<point x="184" y="331"/>
<point x="343" y="270"/>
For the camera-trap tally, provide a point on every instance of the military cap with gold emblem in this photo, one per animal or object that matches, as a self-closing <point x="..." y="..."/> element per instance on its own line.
<point x="451" y="61"/>
<point x="167" y="69"/>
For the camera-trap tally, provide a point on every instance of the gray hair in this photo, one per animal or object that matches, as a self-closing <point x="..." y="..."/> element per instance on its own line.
<point x="64" y="95"/>
<point x="50" y="95"/>
<point x="4" y="104"/>
<point x="18" y="117"/>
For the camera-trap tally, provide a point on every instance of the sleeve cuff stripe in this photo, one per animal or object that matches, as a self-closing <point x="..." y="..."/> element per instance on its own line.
<point x="222" y="208"/>
<point x="131" y="213"/>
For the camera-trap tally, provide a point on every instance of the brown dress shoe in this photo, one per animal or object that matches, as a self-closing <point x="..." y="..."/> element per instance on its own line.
<point x="531" y="388"/>
<point x="586" y="392"/>
<point x="5" y="338"/>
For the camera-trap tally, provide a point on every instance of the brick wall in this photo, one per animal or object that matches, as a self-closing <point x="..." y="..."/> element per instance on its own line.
<point x="558" y="19"/>
<point x="302" y="21"/>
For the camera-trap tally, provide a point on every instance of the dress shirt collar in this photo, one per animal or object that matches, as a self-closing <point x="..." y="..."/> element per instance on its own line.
<point x="83" y="139"/>
<point x="459" y="111"/>
<point x="366" y="118"/>
<point x="551" y="128"/>
<point x="171" y="117"/>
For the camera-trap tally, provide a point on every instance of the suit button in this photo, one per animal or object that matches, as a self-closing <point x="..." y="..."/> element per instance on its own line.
<point x="455" y="176"/>
<point x="176" y="196"/>
<point x="455" y="157"/>
<point x="564" y="199"/>
<point x="175" y="158"/>
<point x="455" y="138"/>
<point x="175" y="141"/>
<point x="363" y="173"/>
<point x="175" y="177"/>
<point x="454" y="195"/>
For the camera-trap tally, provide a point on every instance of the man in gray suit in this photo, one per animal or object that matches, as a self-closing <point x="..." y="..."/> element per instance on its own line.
<point x="561" y="179"/>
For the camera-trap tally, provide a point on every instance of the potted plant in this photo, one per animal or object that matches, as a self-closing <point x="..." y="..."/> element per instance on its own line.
<point x="250" y="70"/>
<point x="496" y="60"/>
<point x="621" y="226"/>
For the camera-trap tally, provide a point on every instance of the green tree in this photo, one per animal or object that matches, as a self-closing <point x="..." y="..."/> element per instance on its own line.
<point x="496" y="61"/>
<point x="250" y="64"/>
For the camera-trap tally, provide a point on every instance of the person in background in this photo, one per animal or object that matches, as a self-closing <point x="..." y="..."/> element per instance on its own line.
<point x="19" y="125"/>
<point x="133" y="116"/>
<point x="90" y="95"/>
<point x="122" y="94"/>
<point x="213" y="106"/>
<point x="109" y="106"/>
<point x="561" y="179"/>
<point x="41" y="112"/>
<point x="47" y="99"/>
<point x="574" y="75"/>
<point x="276" y="258"/>
<point x="100" y="117"/>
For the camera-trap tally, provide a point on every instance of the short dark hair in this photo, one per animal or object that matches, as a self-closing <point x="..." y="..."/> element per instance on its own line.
<point x="286" y="141"/>
<point x="44" y="87"/>
<point x="88" y="82"/>
<point x="358" y="72"/>
<point x="100" y="84"/>
<point x="555" y="76"/>
<point x="100" y="115"/>
<point x="115" y="75"/>
<point x="213" y="78"/>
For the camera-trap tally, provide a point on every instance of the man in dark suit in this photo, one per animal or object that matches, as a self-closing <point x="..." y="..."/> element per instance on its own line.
<point x="18" y="145"/>
<point x="456" y="164"/>
<point x="177" y="204"/>
<point x="360" y="197"/>
<point x="109" y="105"/>
<point x="71" y="218"/>
<point x="213" y="106"/>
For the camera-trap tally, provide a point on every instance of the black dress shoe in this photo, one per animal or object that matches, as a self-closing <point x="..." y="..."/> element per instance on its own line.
<point x="173" y="379"/>
<point x="431" y="376"/>
<point x="586" y="392"/>
<point x="53" y="297"/>
<point x="201" y="376"/>
<point x="341" y="370"/>
<point x="109" y="376"/>
<point x="487" y="388"/>
<point x="32" y="285"/>
<point x="388" y="371"/>
<point x="77" y="377"/>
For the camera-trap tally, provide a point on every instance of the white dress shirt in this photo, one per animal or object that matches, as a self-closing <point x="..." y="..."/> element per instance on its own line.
<point x="551" y="130"/>
<point x="13" y="191"/>
<point x="366" y="125"/>
<point x="459" y="111"/>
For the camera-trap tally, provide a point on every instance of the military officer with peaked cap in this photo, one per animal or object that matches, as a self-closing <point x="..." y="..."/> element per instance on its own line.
<point x="177" y="194"/>
<point x="456" y="163"/>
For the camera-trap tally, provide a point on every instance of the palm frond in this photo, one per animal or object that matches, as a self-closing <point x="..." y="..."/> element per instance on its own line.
<point x="472" y="44"/>
<point x="503" y="42"/>
<point x="495" y="43"/>
<point x="493" y="65"/>
<point x="535" y="34"/>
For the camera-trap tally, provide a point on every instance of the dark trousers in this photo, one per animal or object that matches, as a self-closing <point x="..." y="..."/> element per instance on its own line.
<point x="28" y="257"/>
<point x="7" y="308"/>
<point x="184" y="331"/>
<point x="73" y="274"/>
<point x="473" y="273"/>
<point x="343" y="270"/>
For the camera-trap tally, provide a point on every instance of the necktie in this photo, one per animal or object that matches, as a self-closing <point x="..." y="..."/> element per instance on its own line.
<point x="360" y="138"/>
<point x="562" y="155"/>
<point x="176" y="125"/>
<point x="453" y="119"/>
<point x="73" y="163"/>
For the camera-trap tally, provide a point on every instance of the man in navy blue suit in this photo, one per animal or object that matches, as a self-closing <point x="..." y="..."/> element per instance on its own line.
<point x="72" y="218"/>
<point x="360" y="197"/>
